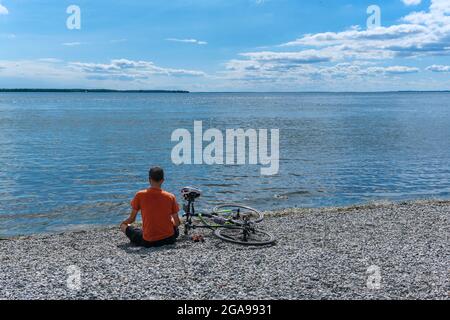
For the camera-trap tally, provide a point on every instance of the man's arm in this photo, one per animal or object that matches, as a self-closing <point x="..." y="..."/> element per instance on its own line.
<point x="131" y="219"/>
<point x="174" y="216"/>
<point x="136" y="207"/>
<point x="176" y="220"/>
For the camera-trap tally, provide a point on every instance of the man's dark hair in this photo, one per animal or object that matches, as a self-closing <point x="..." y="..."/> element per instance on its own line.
<point x="156" y="174"/>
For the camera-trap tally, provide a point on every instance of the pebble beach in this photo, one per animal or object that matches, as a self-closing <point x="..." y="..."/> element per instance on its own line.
<point x="373" y="251"/>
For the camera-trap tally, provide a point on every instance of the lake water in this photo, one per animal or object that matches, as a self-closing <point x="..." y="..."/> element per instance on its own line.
<point x="71" y="160"/>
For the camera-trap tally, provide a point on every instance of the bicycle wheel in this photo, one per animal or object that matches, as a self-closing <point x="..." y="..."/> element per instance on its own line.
<point x="236" y="235"/>
<point x="236" y="212"/>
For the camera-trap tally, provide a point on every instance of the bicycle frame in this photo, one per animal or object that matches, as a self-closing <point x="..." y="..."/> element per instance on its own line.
<point x="189" y="210"/>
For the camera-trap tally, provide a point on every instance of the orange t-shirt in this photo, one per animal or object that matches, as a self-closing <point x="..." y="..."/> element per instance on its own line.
<point x="156" y="208"/>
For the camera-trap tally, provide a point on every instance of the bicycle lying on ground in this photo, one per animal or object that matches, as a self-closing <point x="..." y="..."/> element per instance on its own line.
<point x="230" y="222"/>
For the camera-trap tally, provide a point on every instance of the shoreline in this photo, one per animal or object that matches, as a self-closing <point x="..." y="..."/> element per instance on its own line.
<point x="269" y="213"/>
<point x="321" y="253"/>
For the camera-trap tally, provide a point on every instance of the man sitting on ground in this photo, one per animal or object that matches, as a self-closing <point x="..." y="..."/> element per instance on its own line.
<point x="159" y="211"/>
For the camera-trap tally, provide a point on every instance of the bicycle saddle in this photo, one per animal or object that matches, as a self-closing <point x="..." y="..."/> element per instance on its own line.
<point x="190" y="193"/>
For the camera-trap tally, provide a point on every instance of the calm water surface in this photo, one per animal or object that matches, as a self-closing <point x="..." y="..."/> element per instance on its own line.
<point x="71" y="160"/>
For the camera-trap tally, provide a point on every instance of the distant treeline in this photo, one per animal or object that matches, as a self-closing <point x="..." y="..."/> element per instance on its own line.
<point x="93" y="90"/>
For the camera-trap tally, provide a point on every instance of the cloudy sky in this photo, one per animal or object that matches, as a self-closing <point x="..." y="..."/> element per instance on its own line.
<point x="226" y="45"/>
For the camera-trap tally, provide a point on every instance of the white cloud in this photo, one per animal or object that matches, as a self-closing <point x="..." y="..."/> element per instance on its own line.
<point x="3" y="10"/>
<point x="395" y="70"/>
<point x="123" y="69"/>
<point x="256" y="70"/>
<point x="193" y="41"/>
<point x="412" y="2"/>
<point x="356" y="54"/>
<point x="438" y="68"/>
<point x="303" y="57"/>
<point x="119" y="74"/>
<point x="355" y="35"/>
<point x="72" y="44"/>
<point x="423" y="34"/>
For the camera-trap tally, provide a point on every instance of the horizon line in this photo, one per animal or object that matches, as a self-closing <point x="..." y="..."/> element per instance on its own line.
<point x="100" y="90"/>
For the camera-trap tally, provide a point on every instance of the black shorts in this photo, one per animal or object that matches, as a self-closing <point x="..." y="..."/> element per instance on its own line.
<point x="136" y="237"/>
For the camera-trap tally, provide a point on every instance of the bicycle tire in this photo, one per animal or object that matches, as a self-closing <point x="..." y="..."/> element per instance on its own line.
<point x="258" y="215"/>
<point x="232" y="235"/>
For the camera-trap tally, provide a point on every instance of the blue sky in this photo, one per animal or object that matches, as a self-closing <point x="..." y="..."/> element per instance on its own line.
<point x="226" y="45"/>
